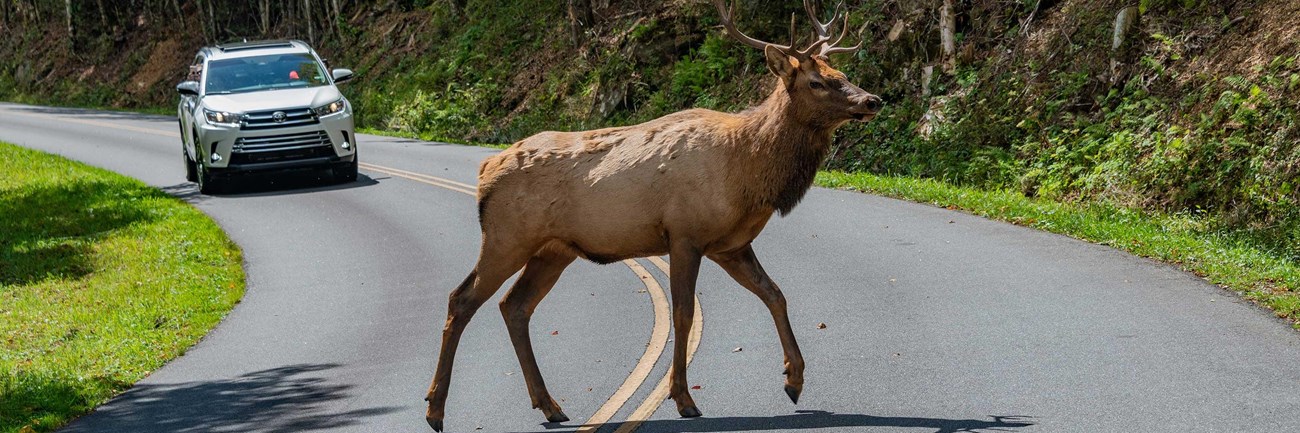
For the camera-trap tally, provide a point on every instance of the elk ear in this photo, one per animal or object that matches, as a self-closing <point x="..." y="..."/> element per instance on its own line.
<point x="781" y="64"/>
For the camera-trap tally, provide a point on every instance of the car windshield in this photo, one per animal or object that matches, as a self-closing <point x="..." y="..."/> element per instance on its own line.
<point x="251" y="74"/>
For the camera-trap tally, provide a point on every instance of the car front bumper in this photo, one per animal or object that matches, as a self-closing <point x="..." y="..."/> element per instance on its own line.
<point x="331" y="140"/>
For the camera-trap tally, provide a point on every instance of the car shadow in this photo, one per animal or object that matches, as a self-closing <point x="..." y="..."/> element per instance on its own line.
<point x="270" y="185"/>
<point x="819" y="419"/>
<point x="285" y="399"/>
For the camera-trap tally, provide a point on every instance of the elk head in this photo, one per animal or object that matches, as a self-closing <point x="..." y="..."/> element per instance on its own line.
<point x="818" y="92"/>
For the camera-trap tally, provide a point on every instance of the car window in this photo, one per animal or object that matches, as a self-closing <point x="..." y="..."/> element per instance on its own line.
<point x="251" y="74"/>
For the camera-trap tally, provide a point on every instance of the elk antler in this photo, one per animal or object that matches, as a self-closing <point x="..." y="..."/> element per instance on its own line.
<point x="724" y="11"/>
<point x="822" y="44"/>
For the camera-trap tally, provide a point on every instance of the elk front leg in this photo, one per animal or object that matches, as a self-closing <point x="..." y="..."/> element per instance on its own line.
<point x="517" y="308"/>
<point x="743" y="266"/>
<point x="684" y="268"/>
<point x="461" y="306"/>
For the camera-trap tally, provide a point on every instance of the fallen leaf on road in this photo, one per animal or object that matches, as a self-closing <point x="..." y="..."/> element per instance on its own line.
<point x="695" y="387"/>
<point x="821" y="325"/>
<point x="737" y="349"/>
<point x="555" y="332"/>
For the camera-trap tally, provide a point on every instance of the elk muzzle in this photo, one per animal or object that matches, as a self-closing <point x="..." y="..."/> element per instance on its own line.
<point x="866" y="107"/>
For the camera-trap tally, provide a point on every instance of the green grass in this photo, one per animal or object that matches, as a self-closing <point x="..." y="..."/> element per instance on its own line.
<point x="102" y="280"/>
<point x="1231" y="259"/>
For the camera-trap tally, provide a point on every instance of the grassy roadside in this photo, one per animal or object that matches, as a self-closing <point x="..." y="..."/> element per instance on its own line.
<point x="1230" y="259"/>
<point x="102" y="280"/>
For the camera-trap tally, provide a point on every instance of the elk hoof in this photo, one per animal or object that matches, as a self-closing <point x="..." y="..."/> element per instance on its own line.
<point x="557" y="417"/>
<point x="793" y="392"/>
<point x="435" y="423"/>
<point x="689" y="412"/>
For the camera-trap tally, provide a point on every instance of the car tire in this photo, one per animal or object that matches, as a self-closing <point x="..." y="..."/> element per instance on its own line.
<point x="208" y="184"/>
<point x="191" y="173"/>
<point x="345" y="173"/>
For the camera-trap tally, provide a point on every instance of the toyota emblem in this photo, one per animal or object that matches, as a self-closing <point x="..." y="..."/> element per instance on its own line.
<point x="278" y="116"/>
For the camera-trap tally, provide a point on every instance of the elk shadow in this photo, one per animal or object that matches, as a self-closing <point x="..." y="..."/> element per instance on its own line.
<point x="48" y="231"/>
<point x="285" y="399"/>
<point x="819" y="419"/>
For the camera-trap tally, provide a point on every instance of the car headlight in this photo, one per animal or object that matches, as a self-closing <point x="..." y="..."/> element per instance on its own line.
<point x="222" y="117"/>
<point x="331" y="108"/>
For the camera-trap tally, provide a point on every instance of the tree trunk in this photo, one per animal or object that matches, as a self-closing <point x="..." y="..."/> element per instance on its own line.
<point x="338" y="12"/>
<point x="265" y="18"/>
<point x="306" y="13"/>
<point x="67" y="9"/>
<point x="947" y="35"/>
<point x="103" y="17"/>
<point x="290" y="16"/>
<point x="212" y="24"/>
<point x="579" y="17"/>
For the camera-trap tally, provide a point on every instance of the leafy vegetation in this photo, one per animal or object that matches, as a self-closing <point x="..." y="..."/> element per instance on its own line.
<point x="102" y="280"/>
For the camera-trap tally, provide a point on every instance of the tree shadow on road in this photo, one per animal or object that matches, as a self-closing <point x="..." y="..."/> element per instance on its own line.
<point x="818" y="419"/>
<point x="285" y="399"/>
<point x="48" y="231"/>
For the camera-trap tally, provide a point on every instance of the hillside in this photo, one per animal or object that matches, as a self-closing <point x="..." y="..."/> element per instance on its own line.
<point x="1191" y="108"/>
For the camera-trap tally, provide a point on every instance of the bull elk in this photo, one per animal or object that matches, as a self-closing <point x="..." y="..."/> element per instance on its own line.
<point x="692" y="184"/>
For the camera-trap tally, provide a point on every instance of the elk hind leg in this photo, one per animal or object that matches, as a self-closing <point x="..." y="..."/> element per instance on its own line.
<point x="494" y="266"/>
<point x="539" y="276"/>
<point x="743" y="266"/>
<point x="683" y="270"/>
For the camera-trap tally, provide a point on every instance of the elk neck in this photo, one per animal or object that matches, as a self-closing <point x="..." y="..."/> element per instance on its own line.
<point x="781" y="149"/>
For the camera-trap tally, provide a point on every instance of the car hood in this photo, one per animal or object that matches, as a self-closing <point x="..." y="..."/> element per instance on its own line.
<point x="273" y="99"/>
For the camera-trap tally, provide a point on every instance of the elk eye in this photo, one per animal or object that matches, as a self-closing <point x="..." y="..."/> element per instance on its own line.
<point x="816" y="85"/>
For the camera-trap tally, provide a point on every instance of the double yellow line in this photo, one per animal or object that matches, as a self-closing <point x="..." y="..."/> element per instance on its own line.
<point x="662" y="319"/>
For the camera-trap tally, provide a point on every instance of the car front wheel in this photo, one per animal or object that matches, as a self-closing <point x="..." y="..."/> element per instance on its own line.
<point x="208" y="184"/>
<point x="191" y="173"/>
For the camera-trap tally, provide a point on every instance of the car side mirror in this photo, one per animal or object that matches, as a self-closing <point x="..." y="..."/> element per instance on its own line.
<point x="188" y="88"/>
<point x="341" y="75"/>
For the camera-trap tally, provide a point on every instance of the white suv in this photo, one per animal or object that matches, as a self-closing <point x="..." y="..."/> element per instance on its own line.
<point x="259" y="106"/>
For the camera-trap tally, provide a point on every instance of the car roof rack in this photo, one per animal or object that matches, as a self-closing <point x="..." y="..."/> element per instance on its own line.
<point x="246" y="45"/>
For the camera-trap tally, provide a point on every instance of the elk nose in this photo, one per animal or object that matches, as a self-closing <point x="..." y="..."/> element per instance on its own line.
<point x="874" y="103"/>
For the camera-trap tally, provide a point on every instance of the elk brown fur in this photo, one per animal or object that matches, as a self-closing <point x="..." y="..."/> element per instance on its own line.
<point x="693" y="184"/>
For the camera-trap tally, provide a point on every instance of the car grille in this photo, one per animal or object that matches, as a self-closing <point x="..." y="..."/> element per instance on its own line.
<point x="285" y="147"/>
<point x="267" y="119"/>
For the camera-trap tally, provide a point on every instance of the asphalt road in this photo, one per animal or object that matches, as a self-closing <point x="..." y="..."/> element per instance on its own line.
<point x="935" y="321"/>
